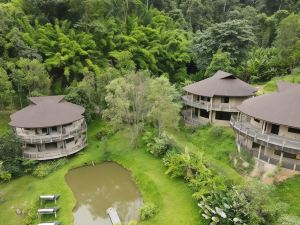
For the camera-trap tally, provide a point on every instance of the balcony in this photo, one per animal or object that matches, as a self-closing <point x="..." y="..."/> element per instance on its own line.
<point x="275" y="141"/>
<point x="54" y="137"/>
<point x="193" y="120"/>
<point x="54" y="154"/>
<point x="226" y="107"/>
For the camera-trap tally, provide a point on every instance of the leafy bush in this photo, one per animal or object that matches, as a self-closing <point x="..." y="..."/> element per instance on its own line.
<point x="216" y="131"/>
<point x="5" y="176"/>
<point x="157" y="146"/>
<point x="45" y="168"/>
<point x="105" y="132"/>
<point x="246" y="204"/>
<point x="30" y="215"/>
<point x="148" y="211"/>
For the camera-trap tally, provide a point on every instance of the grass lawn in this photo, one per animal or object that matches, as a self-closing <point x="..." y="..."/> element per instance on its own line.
<point x="4" y="119"/>
<point x="289" y="192"/>
<point x="172" y="196"/>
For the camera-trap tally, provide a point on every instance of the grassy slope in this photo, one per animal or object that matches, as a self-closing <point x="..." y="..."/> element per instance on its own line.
<point x="172" y="196"/>
<point x="215" y="150"/>
<point x="271" y="85"/>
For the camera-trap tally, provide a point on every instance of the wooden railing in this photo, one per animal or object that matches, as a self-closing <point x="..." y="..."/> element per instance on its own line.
<point x="247" y="129"/>
<point x="45" y="155"/>
<point x="208" y="106"/>
<point x="36" y="139"/>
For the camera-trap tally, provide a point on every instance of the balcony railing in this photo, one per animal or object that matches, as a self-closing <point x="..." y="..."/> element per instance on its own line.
<point x="46" y="155"/>
<point x="195" y="121"/>
<point x="208" y="106"/>
<point x="247" y="129"/>
<point x="36" y="139"/>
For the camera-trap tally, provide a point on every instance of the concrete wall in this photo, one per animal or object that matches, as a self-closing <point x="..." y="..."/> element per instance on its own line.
<point x="233" y="101"/>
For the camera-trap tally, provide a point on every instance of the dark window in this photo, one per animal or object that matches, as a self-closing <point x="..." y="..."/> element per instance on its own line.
<point x="198" y="98"/>
<point x="44" y="130"/>
<point x="275" y="129"/>
<point x="204" y="113"/>
<point x="225" y="99"/>
<point x="31" y="145"/>
<point x="257" y="120"/>
<point x="223" y="115"/>
<point x="54" y="129"/>
<point x="255" y="145"/>
<point x="294" y="130"/>
<point x="286" y="154"/>
<point x="204" y="98"/>
<point x="70" y="140"/>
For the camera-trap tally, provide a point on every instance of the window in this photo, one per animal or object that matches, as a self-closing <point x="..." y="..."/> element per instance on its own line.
<point x="31" y="145"/>
<point x="257" y="120"/>
<point x="70" y="140"/>
<point x="294" y="130"/>
<point x="204" y="113"/>
<point x="255" y="145"/>
<point x="206" y="99"/>
<point x="54" y="129"/>
<point x="286" y="154"/>
<point x="225" y="99"/>
<point x="223" y="115"/>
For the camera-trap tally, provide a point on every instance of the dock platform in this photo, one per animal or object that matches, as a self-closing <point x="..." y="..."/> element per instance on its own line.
<point x="113" y="215"/>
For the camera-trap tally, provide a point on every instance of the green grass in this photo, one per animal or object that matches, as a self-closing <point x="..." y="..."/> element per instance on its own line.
<point x="4" y="120"/>
<point x="289" y="192"/>
<point x="172" y="196"/>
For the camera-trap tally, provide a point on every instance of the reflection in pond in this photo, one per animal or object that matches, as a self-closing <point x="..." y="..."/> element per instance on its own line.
<point x="99" y="187"/>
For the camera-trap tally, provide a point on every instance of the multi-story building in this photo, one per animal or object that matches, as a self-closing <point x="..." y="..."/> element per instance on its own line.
<point x="214" y="99"/>
<point x="50" y="128"/>
<point x="269" y="126"/>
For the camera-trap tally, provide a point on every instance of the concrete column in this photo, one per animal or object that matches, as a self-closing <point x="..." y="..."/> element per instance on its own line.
<point x="281" y="156"/>
<point x="259" y="152"/>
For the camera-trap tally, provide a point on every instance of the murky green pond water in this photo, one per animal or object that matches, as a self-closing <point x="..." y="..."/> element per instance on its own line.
<point x="99" y="187"/>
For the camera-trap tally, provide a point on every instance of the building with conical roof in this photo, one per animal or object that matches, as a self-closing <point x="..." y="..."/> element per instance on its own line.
<point x="50" y="128"/>
<point x="214" y="99"/>
<point x="269" y="126"/>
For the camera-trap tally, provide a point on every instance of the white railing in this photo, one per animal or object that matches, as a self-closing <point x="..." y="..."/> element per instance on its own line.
<point x="187" y="100"/>
<point x="45" y="155"/>
<point x="246" y="128"/>
<point x="35" y="139"/>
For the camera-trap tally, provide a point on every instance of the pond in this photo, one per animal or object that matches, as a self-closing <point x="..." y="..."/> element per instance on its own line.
<point x="99" y="187"/>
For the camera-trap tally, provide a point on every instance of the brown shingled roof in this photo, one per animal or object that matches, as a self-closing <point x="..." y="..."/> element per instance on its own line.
<point x="46" y="111"/>
<point x="281" y="107"/>
<point x="221" y="84"/>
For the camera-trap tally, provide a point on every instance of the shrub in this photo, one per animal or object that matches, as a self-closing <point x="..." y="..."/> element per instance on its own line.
<point x="45" y="168"/>
<point x="148" y="211"/>
<point x="30" y="215"/>
<point x="5" y="176"/>
<point x="216" y="131"/>
<point x="157" y="146"/>
<point x="104" y="132"/>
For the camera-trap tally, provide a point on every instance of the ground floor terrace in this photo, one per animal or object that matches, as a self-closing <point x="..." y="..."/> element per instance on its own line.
<point x="196" y="116"/>
<point x="266" y="146"/>
<point x="53" y="150"/>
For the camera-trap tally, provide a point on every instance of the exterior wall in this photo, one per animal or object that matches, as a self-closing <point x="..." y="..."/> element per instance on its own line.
<point x="212" y="106"/>
<point x="233" y="101"/>
<point x="283" y="131"/>
<point x="53" y="143"/>
<point x="266" y="152"/>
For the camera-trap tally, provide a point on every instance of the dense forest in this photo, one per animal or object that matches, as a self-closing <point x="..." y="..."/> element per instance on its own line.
<point x="76" y="47"/>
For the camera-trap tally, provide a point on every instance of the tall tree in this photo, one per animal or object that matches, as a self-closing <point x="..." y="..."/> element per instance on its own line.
<point x="288" y="40"/>
<point x="164" y="105"/>
<point x="220" y="61"/>
<point x="6" y="90"/>
<point x="30" y="78"/>
<point x="235" y="37"/>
